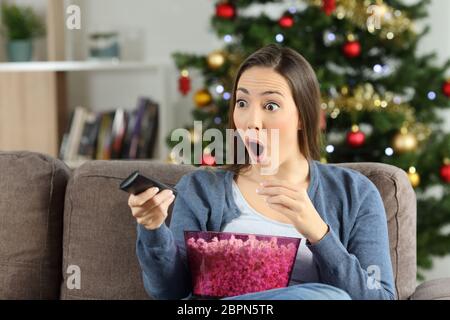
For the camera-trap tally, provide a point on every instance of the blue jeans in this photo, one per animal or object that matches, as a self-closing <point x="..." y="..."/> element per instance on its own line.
<point x="306" y="291"/>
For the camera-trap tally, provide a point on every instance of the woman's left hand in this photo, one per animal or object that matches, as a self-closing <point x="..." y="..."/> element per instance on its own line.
<point x="294" y="203"/>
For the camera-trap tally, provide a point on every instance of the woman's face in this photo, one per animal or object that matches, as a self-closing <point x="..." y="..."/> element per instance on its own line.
<point x="264" y="101"/>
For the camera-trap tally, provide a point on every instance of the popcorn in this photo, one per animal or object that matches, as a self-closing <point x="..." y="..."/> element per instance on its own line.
<point x="238" y="264"/>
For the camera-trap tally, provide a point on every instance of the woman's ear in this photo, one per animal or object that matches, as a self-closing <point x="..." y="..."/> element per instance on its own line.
<point x="299" y="126"/>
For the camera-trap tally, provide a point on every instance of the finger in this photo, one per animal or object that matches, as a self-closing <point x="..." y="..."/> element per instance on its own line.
<point x="283" y="210"/>
<point x="145" y="220"/>
<point x="165" y="205"/>
<point x="280" y="183"/>
<point x="142" y="198"/>
<point x="139" y="212"/>
<point x="273" y="191"/>
<point x="285" y="201"/>
<point x="160" y="198"/>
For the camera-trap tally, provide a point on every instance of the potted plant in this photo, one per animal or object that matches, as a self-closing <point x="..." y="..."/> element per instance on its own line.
<point x="20" y="26"/>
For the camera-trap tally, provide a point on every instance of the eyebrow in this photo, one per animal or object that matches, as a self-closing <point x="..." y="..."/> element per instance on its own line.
<point x="262" y="94"/>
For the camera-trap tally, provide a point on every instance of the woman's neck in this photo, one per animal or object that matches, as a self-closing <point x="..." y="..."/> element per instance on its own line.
<point x="294" y="170"/>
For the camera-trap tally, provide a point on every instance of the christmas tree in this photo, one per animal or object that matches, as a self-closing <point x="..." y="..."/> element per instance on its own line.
<point x="380" y="97"/>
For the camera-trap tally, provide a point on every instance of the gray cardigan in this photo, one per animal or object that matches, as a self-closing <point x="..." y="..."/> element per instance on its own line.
<point x="353" y="256"/>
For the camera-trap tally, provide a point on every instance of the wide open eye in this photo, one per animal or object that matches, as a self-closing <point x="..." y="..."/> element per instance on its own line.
<point x="272" y="106"/>
<point x="241" y="103"/>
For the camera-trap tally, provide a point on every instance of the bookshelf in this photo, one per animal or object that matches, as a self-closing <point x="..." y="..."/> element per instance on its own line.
<point x="40" y="88"/>
<point x="35" y="97"/>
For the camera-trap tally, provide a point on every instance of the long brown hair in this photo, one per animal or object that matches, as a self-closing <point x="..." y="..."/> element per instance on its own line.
<point x="305" y="90"/>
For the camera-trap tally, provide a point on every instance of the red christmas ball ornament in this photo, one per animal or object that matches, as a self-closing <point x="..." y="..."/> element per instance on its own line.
<point x="355" y="138"/>
<point x="329" y="6"/>
<point x="445" y="172"/>
<point x="208" y="160"/>
<point x="286" y="21"/>
<point x="225" y="10"/>
<point x="446" y="88"/>
<point x="184" y="82"/>
<point x="352" y="49"/>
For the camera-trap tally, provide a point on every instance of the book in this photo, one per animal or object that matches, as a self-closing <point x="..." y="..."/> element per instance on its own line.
<point x="114" y="134"/>
<point x="74" y="137"/>
<point x="135" y="136"/>
<point x="118" y="133"/>
<point x="87" y="148"/>
<point x="104" y="137"/>
<point x="149" y="131"/>
<point x="65" y="137"/>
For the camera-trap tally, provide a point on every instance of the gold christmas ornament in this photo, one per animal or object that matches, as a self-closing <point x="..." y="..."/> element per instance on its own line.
<point x="202" y="98"/>
<point x="414" y="177"/>
<point x="404" y="141"/>
<point x="216" y="60"/>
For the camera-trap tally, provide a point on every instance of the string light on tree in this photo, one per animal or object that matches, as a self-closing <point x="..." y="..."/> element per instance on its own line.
<point x="228" y="38"/>
<point x="389" y="152"/>
<point x="329" y="148"/>
<point x="431" y="95"/>
<point x="172" y="158"/>
<point x="226" y="96"/>
<point x="195" y="138"/>
<point x="329" y="38"/>
<point x="279" y="38"/>
<point x="413" y="177"/>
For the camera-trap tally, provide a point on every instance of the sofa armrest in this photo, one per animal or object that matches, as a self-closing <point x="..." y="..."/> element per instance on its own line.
<point x="438" y="289"/>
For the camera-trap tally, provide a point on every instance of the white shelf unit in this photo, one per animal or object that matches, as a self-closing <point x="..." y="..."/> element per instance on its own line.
<point x="158" y="69"/>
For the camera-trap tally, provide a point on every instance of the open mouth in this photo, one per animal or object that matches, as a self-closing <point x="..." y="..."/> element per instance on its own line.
<point x="256" y="148"/>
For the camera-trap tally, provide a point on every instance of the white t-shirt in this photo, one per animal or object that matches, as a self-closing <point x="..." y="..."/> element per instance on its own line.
<point x="253" y="222"/>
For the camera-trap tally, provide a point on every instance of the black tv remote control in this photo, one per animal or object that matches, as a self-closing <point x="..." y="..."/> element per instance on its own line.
<point x="137" y="183"/>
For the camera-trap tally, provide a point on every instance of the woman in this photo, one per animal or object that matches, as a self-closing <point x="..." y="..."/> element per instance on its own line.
<point x="338" y="211"/>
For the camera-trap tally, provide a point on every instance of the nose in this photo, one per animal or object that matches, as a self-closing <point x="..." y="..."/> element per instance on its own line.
<point x="254" y="120"/>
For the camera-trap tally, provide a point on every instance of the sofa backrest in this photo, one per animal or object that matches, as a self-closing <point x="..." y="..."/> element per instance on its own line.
<point x="31" y="216"/>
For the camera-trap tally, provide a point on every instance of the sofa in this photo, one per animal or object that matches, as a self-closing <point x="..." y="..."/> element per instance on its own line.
<point x="69" y="234"/>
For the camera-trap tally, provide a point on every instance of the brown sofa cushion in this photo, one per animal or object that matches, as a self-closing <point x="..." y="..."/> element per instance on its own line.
<point x="100" y="232"/>
<point x="399" y="201"/>
<point x="31" y="212"/>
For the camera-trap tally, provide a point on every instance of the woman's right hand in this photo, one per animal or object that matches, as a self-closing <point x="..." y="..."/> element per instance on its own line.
<point x="150" y="207"/>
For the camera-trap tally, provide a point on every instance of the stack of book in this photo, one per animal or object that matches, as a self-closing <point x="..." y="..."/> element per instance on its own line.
<point x="116" y="134"/>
